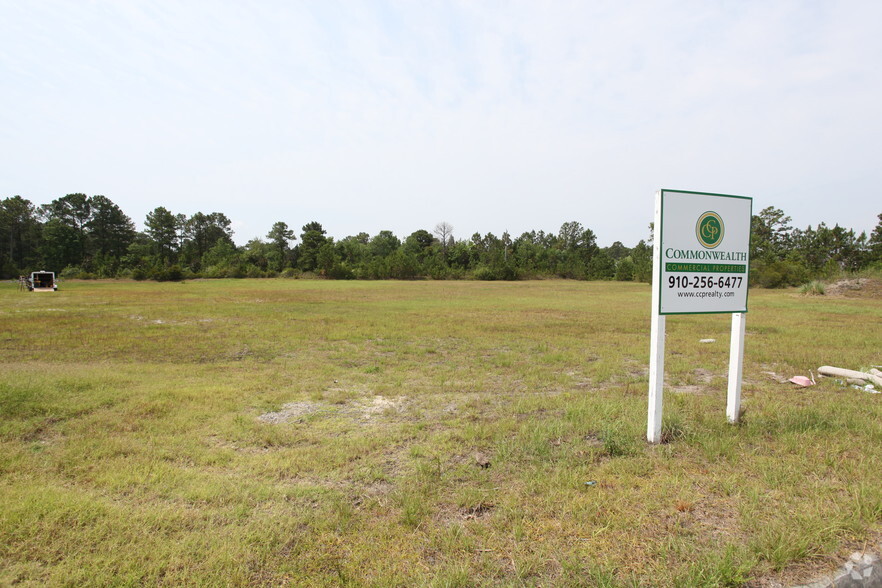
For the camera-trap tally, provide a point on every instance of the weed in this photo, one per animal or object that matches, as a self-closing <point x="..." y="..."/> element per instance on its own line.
<point x="673" y="428"/>
<point x="617" y="441"/>
<point x="414" y="507"/>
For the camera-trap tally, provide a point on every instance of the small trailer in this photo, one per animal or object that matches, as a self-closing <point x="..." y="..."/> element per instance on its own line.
<point x="40" y="282"/>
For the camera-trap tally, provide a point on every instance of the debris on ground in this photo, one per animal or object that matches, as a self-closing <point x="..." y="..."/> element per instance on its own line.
<point x="861" y="570"/>
<point x="802" y="381"/>
<point x="707" y="340"/>
<point x="482" y="460"/>
<point x="861" y="378"/>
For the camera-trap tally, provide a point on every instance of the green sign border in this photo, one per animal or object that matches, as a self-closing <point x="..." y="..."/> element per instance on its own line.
<point x="660" y="232"/>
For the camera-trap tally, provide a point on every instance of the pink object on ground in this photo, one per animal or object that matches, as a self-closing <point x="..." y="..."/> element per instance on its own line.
<point x="801" y="381"/>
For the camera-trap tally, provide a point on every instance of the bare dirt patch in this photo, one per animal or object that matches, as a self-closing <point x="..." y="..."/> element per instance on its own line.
<point x="379" y="405"/>
<point x="364" y="410"/>
<point x="698" y="382"/>
<point x="292" y="411"/>
<point x="855" y="288"/>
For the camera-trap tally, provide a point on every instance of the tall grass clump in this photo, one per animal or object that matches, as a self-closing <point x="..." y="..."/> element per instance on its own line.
<point x="813" y="288"/>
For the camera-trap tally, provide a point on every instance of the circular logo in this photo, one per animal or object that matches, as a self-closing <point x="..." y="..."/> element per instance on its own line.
<point x="709" y="230"/>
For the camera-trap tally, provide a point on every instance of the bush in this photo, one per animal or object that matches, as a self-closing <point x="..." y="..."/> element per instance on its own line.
<point x="777" y="274"/>
<point x="506" y="271"/>
<point x="73" y="272"/>
<point x="214" y="271"/>
<point x="290" y="272"/>
<point x="601" y="267"/>
<point x="172" y="273"/>
<point x="403" y="266"/>
<point x="339" y="271"/>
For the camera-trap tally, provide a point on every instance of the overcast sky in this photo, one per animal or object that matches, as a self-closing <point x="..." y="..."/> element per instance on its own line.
<point x="491" y="116"/>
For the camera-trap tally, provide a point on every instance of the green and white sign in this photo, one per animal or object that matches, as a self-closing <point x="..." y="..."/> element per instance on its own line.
<point x="703" y="253"/>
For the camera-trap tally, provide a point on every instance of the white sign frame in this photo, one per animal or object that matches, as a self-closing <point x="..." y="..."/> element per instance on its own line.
<point x="729" y="224"/>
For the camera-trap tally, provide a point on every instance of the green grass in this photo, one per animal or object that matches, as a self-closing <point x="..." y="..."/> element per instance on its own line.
<point x="132" y="448"/>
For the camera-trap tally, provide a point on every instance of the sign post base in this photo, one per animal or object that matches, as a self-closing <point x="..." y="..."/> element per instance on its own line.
<point x="736" y="363"/>
<point x="656" y="378"/>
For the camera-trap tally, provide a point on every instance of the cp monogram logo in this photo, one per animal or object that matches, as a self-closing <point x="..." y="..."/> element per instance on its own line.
<point x="709" y="230"/>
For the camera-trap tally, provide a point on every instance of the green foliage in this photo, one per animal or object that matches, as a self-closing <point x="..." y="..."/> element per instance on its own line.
<point x="641" y="255"/>
<point x="311" y="241"/>
<point x="625" y="270"/>
<point x="75" y="272"/>
<point x="95" y="236"/>
<point x="777" y="274"/>
<point x="813" y="288"/>
<point x="602" y="266"/>
<point x="420" y="242"/>
<point x="110" y="230"/>
<point x="173" y="273"/>
<point x="875" y="244"/>
<point x="204" y="232"/>
<point x="403" y="266"/>
<point x="20" y="236"/>
<point x="340" y="271"/>
<point x="279" y="237"/>
<point x="162" y="228"/>
<point x="770" y="235"/>
<point x="617" y="251"/>
<point x="499" y="271"/>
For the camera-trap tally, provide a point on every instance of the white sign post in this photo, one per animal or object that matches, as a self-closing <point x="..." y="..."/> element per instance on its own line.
<point x="700" y="264"/>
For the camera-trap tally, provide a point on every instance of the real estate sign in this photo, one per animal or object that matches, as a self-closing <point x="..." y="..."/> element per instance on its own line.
<point x="704" y="246"/>
<point x="700" y="262"/>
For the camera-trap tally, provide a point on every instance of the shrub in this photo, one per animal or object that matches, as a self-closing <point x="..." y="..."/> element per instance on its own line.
<point x="505" y="271"/>
<point x="340" y="271"/>
<point x="483" y="272"/>
<point x="777" y="274"/>
<point x="172" y="273"/>
<point x="73" y="272"/>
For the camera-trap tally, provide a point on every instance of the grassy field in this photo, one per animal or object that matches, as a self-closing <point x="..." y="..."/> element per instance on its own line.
<point x="276" y="432"/>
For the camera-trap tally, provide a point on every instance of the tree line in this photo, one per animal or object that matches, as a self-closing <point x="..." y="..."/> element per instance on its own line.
<point x="80" y="236"/>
